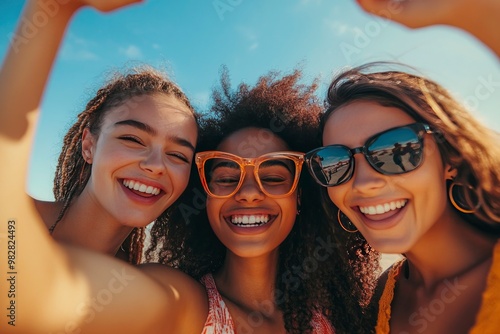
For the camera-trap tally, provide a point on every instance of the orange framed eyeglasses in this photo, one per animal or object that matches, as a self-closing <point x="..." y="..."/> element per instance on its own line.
<point x="222" y="173"/>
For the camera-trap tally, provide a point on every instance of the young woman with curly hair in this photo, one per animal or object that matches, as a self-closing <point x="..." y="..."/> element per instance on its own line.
<point x="440" y="207"/>
<point x="309" y="267"/>
<point x="124" y="161"/>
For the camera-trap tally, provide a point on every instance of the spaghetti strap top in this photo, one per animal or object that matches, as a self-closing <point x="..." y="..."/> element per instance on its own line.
<point x="219" y="320"/>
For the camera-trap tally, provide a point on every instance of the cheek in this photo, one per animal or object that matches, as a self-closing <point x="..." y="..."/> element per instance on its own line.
<point x="213" y="208"/>
<point x="179" y="174"/>
<point x="333" y="194"/>
<point x="430" y="192"/>
<point x="290" y="207"/>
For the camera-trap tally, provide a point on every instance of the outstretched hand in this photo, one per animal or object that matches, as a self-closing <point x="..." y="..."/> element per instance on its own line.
<point x="107" y="5"/>
<point x="479" y="17"/>
<point x="418" y="13"/>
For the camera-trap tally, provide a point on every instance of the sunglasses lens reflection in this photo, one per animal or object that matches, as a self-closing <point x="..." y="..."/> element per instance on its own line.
<point x="332" y="165"/>
<point x="395" y="152"/>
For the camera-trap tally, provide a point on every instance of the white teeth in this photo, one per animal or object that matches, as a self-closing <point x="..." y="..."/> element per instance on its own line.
<point x="249" y="221"/>
<point x="382" y="208"/>
<point x="135" y="185"/>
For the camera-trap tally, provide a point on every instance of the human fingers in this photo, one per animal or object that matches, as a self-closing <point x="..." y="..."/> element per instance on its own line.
<point x="411" y="13"/>
<point x="108" y="5"/>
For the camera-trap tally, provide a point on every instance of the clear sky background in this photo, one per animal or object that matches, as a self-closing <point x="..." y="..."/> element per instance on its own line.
<point x="192" y="39"/>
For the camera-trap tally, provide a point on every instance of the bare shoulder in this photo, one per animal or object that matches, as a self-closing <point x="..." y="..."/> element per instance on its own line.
<point x="153" y="299"/>
<point x="188" y="295"/>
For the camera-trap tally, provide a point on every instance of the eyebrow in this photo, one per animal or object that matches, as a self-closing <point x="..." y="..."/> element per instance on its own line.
<point x="229" y="164"/>
<point x="152" y="131"/>
<point x="268" y="163"/>
<point x="139" y="125"/>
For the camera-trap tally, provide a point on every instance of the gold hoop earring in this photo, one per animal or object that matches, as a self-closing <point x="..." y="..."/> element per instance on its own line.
<point x="459" y="204"/>
<point x="339" y="219"/>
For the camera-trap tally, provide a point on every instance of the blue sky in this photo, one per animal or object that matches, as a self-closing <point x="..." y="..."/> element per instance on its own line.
<point x="191" y="40"/>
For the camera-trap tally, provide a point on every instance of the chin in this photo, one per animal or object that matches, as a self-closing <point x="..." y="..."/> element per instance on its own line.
<point x="390" y="246"/>
<point x="250" y="251"/>
<point x="136" y="223"/>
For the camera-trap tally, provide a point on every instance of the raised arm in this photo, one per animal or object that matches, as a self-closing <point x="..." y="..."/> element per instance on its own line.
<point x="481" y="18"/>
<point x="47" y="287"/>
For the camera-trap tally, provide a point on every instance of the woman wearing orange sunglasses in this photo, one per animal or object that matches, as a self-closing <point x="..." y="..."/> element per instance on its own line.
<point x="438" y="203"/>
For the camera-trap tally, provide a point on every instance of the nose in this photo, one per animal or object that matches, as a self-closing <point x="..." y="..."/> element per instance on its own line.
<point x="154" y="161"/>
<point x="365" y="178"/>
<point x="249" y="190"/>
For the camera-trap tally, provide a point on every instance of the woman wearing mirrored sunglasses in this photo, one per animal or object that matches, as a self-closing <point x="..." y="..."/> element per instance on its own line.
<point x="410" y="169"/>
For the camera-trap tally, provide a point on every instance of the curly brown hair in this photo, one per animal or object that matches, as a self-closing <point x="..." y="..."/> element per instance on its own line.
<point x="73" y="173"/>
<point x="316" y="260"/>
<point x="467" y="145"/>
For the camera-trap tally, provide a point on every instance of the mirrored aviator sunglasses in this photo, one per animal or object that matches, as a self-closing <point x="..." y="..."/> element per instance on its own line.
<point x="394" y="151"/>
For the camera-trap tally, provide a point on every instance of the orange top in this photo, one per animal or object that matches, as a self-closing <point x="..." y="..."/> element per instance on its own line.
<point x="219" y="320"/>
<point x="487" y="317"/>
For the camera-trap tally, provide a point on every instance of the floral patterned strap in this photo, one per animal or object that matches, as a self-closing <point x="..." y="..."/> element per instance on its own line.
<point x="320" y="324"/>
<point x="219" y="320"/>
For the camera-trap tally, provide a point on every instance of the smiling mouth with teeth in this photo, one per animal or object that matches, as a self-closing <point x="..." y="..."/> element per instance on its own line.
<point x="141" y="188"/>
<point x="383" y="208"/>
<point x="249" y="220"/>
